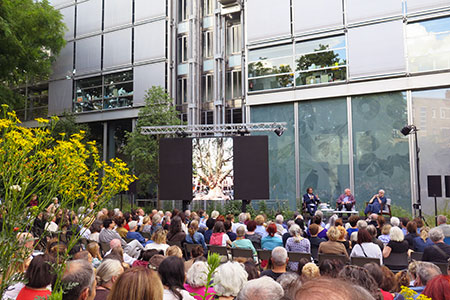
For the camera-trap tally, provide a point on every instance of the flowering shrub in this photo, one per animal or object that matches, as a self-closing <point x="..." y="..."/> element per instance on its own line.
<point x="33" y="162"/>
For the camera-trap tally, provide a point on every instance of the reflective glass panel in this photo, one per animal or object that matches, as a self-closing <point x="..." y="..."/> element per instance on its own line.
<point x="272" y="82"/>
<point x="281" y="150"/>
<point x="431" y="115"/>
<point x="380" y="151"/>
<point x="429" y="45"/>
<point x="323" y="139"/>
<point x="272" y="60"/>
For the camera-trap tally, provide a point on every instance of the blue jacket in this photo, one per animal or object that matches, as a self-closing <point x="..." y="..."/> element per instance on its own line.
<point x="198" y="238"/>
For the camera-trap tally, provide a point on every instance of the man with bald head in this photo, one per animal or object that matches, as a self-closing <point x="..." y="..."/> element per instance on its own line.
<point x="346" y="200"/>
<point x="79" y="281"/>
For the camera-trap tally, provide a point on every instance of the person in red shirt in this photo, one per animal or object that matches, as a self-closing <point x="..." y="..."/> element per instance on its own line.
<point x="33" y="201"/>
<point x="39" y="276"/>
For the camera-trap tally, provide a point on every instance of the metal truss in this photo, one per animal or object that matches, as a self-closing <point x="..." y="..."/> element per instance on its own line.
<point x="231" y="129"/>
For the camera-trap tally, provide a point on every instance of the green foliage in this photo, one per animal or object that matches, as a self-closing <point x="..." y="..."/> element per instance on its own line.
<point x="67" y="124"/>
<point x="213" y="264"/>
<point x="31" y="36"/>
<point x="398" y="211"/>
<point x="143" y="149"/>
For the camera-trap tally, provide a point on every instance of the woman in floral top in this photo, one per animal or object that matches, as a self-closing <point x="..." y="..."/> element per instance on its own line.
<point x="297" y="243"/>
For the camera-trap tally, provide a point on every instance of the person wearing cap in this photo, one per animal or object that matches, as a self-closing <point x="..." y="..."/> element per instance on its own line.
<point x="133" y="235"/>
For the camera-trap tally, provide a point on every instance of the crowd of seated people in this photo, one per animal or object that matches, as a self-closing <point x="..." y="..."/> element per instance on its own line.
<point x="135" y="255"/>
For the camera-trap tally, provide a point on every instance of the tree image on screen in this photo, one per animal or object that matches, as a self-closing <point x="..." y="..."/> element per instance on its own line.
<point x="212" y="169"/>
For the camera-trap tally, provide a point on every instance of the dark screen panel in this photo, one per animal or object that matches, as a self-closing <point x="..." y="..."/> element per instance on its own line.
<point x="251" y="167"/>
<point x="175" y="169"/>
<point x="447" y="186"/>
<point x="434" y="186"/>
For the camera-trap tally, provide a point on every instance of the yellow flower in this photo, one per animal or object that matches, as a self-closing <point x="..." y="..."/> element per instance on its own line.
<point x="41" y="120"/>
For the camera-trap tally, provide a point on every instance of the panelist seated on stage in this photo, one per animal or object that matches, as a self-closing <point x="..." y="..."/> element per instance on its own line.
<point x="346" y="200"/>
<point x="311" y="201"/>
<point x="376" y="204"/>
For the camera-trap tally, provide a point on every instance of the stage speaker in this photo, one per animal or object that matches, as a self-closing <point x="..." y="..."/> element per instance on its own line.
<point x="434" y="186"/>
<point x="447" y="186"/>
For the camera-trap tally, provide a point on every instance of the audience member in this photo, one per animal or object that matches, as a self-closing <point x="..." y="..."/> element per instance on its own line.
<point x="314" y="240"/>
<point x="279" y="261"/>
<point x="360" y="276"/>
<point x="196" y="254"/>
<point x="384" y="236"/>
<point x="424" y="273"/>
<point x="373" y="232"/>
<point x="290" y="282"/>
<point x="196" y="280"/>
<point x="145" y="257"/>
<point x="241" y="241"/>
<point x="411" y="227"/>
<point x="438" y="288"/>
<point x="174" y="251"/>
<point x="156" y="223"/>
<point x="134" y="235"/>
<point x="121" y="230"/>
<point x="172" y="275"/>
<point x="252" y="269"/>
<point x="343" y="237"/>
<point x="297" y="243"/>
<point x="79" y="281"/>
<point x="422" y="241"/>
<point x="94" y="250"/>
<point x="228" y="229"/>
<point x="263" y="288"/>
<point x="271" y="241"/>
<point x="176" y="233"/>
<point x="219" y="236"/>
<point x="310" y="271"/>
<point x="331" y="267"/>
<point x="107" y="274"/>
<point x="377" y="274"/>
<point x="133" y="284"/>
<point x="329" y="288"/>
<point x="260" y="229"/>
<point x="107" y="234"/>
<point x="397" y="244"/>
<point x="353" y="228"/>
<point x="159" y="239"/>
<point x="39" y="275"/>
<point x="442" y="223"/>
<point x="195" y="237"/>
<point x="365" y="247"/>
<point x="439" y="252"/>
<point x="252" y="236"/>
<point x="332" y="246"/>
<point x="229" y="280"/>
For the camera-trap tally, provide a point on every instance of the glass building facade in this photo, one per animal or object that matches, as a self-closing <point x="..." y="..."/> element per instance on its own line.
<point x="345" y="76"/>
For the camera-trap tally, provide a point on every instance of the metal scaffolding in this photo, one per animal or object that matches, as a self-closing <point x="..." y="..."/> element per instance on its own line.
<point x="219" y="129"/>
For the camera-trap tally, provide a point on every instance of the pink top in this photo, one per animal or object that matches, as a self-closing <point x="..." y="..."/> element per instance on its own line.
<point x="200" y="291"/>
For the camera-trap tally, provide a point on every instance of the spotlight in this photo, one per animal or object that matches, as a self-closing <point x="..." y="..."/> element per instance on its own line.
<point x="243" y="131"/>
<point x="181" y="133"/>
<point x="279" y="131"/>
<point x="408" y="129"/>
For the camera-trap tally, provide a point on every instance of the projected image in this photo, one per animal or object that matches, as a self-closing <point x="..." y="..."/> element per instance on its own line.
<point x="212" y="169"/>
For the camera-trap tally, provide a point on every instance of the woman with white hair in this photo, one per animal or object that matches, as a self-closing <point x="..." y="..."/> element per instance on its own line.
<point x="397" y="244"/>
<point x="331" y="221"/>
<point x="297" y="243"/>
<point x="107" y="273"/>
<point x="229" y="280"/>
<point x="376" y="203"/>
<point x="196" y="279"/>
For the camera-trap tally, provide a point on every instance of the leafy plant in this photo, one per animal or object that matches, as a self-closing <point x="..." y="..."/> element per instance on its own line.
<point x="213" y="264"/>
<point x="33" y="162"/>
<point x="142" y="149"/>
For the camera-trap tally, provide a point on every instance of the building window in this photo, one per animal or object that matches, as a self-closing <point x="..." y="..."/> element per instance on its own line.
<point x="183" y="10"/>
<point x="233" y="116"/>
<point x="208" y="44"/>
<point x="104" y="92"/>
<point x="182" y="91"/>
<point x="234" y="44"/>
<point x="427" y="45"/>
<point x="270" y="68"/>
<point x="208" y="87"/>
<point x="321" y="61"/>
<point x="233" y="84"/>
<point x="207" y="117"/>
<point x="183" y="49"/>
<point x="208" y="7"/>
